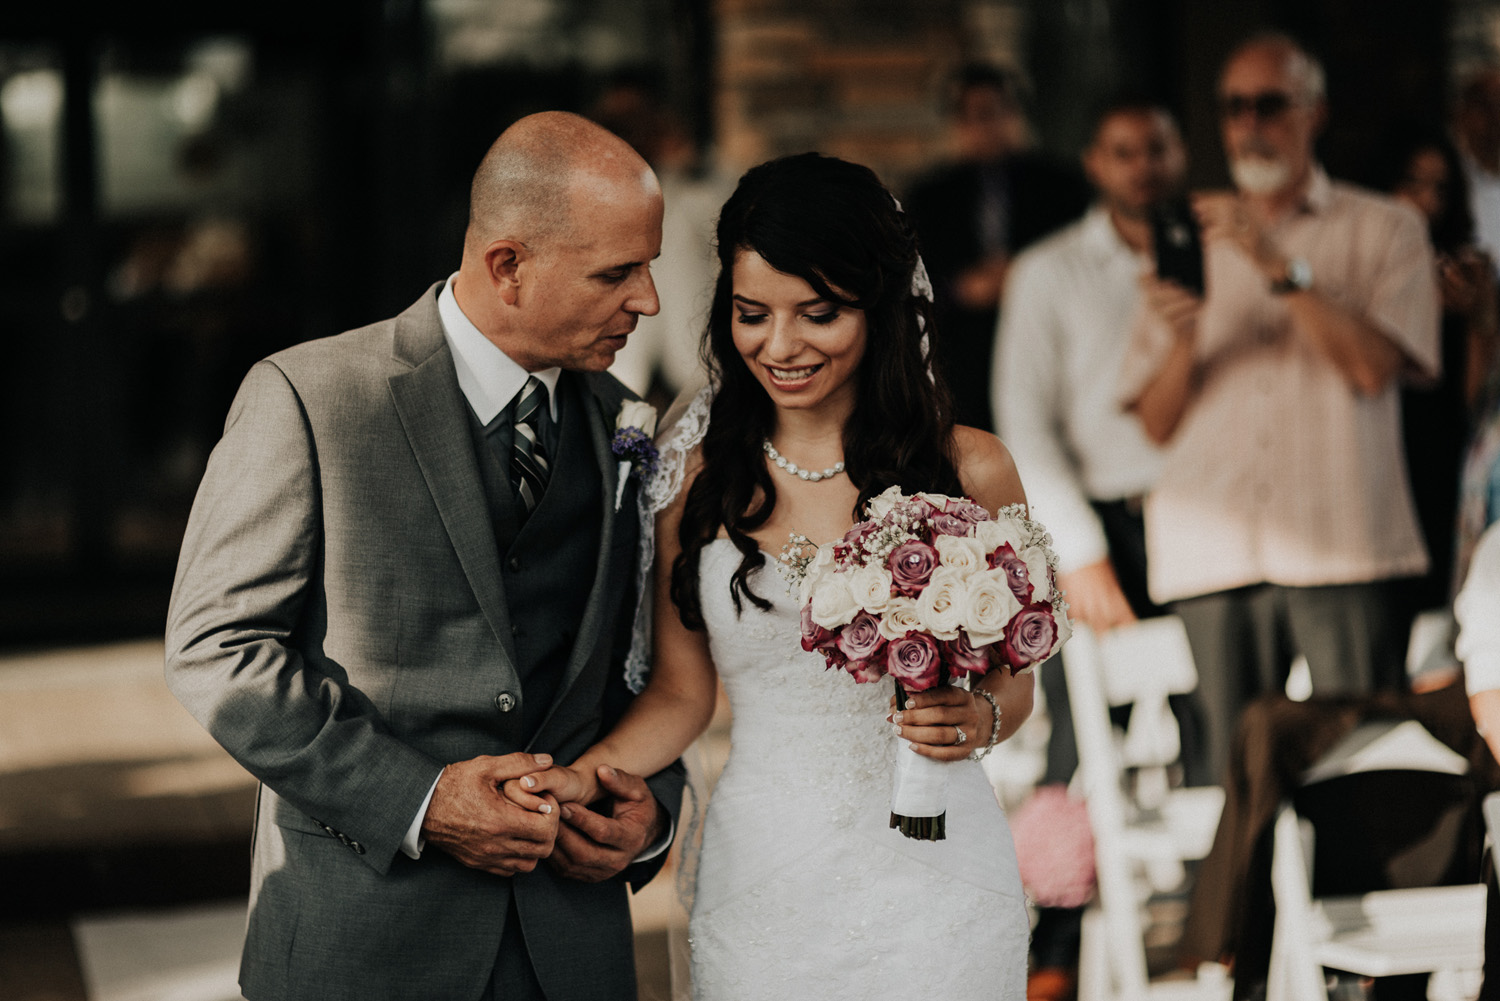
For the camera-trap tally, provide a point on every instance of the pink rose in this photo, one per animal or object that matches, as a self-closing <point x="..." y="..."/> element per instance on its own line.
<point x="1030" y="636"/>
<point x="814" y="636"/>
<point x="962" y="507"/>
<point x="961" y="656"/>
<point x="861" y="639"/>
<point x="865" y="671"/>
<point x="914" y="660"/>
<point x="944" y="523"/>
<point x="911" y="565"/>
<point x="856" y="536"/>
<point x="1016" y="573"/>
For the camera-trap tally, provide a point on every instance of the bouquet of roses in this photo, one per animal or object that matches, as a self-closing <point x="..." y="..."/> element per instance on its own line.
<point x="929" y="589"/>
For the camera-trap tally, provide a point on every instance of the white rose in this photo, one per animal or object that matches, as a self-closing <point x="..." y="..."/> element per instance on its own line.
<point x="943" y="604"/>
<point x="1064" y="627"/>
<point x="990" y="607"/>
<point x="871" y="587"/>
<point x="1035" y="558"/>
<point x="880" y="505"/>
<point x="637" y="414"/>
<point x="998" y="532"/>
<point x="832" y="604"/>
<point x="961" y="553"/>
<point x="900" y="618"/>
<point x="822" y="565"/>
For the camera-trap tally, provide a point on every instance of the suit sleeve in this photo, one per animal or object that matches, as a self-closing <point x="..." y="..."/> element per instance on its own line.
<point x="244" y="598"/>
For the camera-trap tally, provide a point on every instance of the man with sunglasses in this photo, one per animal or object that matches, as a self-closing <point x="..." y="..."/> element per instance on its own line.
<point x="1282" y="513"/>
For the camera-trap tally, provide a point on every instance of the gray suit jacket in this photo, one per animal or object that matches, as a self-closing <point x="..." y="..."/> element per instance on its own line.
<point x="338" y="623"/>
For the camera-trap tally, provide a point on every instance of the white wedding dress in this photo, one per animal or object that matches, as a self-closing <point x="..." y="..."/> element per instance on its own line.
<point x="803" y="890"/>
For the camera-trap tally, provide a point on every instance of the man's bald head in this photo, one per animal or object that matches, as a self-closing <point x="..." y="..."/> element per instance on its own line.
<point x="526" y="185"/>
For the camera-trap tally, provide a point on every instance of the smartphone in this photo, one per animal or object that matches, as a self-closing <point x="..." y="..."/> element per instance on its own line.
<point x="1178" y="246"/>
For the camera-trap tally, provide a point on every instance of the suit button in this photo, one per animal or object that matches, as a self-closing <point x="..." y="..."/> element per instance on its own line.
<point x="514" y="563"/>
<point x="505" y="702"/>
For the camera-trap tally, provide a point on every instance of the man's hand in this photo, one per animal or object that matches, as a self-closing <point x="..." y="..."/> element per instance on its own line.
<point x="1094" y="596"/>
<point x="593" y="847"/>
<point x="1173" y="305"/>
<point x="1226" y="217"/>
<point x="470" y="818"/>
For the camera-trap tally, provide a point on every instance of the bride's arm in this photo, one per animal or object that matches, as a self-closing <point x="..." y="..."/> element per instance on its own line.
<point x="989" y="476"/>
<point x="675" y="707"/>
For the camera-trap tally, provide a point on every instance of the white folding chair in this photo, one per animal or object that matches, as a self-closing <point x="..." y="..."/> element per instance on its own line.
<point x="1143" y="829"/>
<point x="1437" y="930"/>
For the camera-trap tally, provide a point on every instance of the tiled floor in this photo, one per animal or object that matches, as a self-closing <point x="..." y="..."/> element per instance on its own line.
<point x="124" y="837"/>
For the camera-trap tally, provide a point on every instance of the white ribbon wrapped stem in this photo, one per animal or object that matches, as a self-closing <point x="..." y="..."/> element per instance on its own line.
<point x="921" y="784"/>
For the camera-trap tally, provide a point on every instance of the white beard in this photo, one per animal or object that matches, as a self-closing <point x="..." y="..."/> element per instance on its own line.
<point x="1256" y="175"/>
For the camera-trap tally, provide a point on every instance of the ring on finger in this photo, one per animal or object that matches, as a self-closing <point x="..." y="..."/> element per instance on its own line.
<point x="959" y="736"/>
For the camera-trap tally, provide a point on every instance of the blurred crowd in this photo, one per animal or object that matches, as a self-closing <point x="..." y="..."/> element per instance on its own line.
<point x="1271" y="410"/>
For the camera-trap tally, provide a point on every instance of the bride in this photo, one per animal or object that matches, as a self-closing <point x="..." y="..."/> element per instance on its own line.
<point x="821" y="398"/>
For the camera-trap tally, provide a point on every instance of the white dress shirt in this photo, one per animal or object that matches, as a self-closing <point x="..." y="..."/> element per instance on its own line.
<point x="1280" y="472"/>
<point x="1063" y="333"/>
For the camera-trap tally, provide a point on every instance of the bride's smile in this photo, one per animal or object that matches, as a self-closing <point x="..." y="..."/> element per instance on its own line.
<point x="802" y="347"/>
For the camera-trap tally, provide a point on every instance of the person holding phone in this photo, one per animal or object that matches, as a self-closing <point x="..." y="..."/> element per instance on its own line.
<point x="1282" y="516"/>
<point x="1060" y="342"/>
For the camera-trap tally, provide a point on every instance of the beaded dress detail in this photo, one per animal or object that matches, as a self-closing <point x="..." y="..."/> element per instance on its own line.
<point x="803" y="890"/>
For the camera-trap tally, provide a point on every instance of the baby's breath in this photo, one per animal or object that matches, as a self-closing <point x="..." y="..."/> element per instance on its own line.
<point x="792" y="562"/>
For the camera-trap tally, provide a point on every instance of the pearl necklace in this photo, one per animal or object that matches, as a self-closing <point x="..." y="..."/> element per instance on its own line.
<point x="811" y="476"/>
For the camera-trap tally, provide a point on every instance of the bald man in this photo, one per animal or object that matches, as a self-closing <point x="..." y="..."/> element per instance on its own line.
<point x="406" y="579"/>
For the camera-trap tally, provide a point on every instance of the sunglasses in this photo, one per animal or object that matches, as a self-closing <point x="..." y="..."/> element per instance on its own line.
<point x="1266" y="105"/>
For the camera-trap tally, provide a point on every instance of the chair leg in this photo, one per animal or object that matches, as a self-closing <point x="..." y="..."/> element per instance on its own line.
<point x="1093" y="963"/>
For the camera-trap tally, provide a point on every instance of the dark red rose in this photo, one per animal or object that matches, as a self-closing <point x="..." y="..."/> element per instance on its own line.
<point x="1030" y="636"/>
<point x="962" y="657"/>
<point x="914" y="660"/>
<point x="1017" y="574"/>
<point x="911" y="565"/>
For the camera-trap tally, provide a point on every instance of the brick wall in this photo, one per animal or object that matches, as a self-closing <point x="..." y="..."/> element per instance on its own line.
<point x="860" y="79"/>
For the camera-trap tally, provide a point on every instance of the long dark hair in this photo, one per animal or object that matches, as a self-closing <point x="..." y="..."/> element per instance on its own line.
<point x="835" y="226"/>
<point x="1390" y="165"/>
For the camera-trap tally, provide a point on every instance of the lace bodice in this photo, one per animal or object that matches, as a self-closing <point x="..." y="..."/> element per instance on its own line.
<point x="803" y="890"/>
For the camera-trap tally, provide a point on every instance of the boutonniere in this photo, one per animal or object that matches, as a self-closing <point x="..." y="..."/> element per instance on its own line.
<point x="632" y="443"/>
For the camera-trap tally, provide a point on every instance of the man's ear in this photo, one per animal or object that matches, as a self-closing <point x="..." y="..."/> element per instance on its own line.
<point x="502" y="264"/>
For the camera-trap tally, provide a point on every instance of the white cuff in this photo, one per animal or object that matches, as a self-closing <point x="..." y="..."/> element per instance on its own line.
<point x="413" y="843"/>
<point x="651" y="851"/>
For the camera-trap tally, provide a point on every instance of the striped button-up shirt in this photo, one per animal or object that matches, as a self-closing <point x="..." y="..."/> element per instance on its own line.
<point x="1280" y="471"/>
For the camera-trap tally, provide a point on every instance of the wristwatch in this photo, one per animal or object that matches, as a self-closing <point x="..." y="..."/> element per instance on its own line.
<point x="1297" y="277"/>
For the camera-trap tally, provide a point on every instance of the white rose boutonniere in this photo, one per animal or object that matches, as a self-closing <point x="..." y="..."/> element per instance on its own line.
<point x="632" y="444"/>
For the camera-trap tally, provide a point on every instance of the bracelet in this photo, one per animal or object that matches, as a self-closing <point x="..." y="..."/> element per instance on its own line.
<point x="979" y="752"/>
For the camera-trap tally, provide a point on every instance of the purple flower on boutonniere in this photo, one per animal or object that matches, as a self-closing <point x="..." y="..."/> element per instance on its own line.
<point x="631" y="444"/>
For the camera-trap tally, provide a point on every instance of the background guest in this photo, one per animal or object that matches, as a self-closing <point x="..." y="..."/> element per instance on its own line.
<point x="1282" y="514"/>
<point x="1476" y="127"/>
<point x="973" y="214"/>
<point x="1062" y="337"/>
<point x="1421" y="167"/>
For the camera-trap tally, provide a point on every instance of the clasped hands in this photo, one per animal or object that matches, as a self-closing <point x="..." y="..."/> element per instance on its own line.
<point x="481" y="815"/>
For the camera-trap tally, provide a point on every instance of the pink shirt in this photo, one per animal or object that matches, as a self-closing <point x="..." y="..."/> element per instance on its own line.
<point x="1279" y="471"/>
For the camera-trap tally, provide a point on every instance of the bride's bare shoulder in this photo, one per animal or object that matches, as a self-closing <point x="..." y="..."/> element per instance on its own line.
<point x="986" y="469"/>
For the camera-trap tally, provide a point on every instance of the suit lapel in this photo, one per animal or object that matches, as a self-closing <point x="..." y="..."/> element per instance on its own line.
<point x="432" y="412"/>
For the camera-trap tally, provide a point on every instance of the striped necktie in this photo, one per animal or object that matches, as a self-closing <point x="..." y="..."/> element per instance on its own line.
<point x="529" y="467"/>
